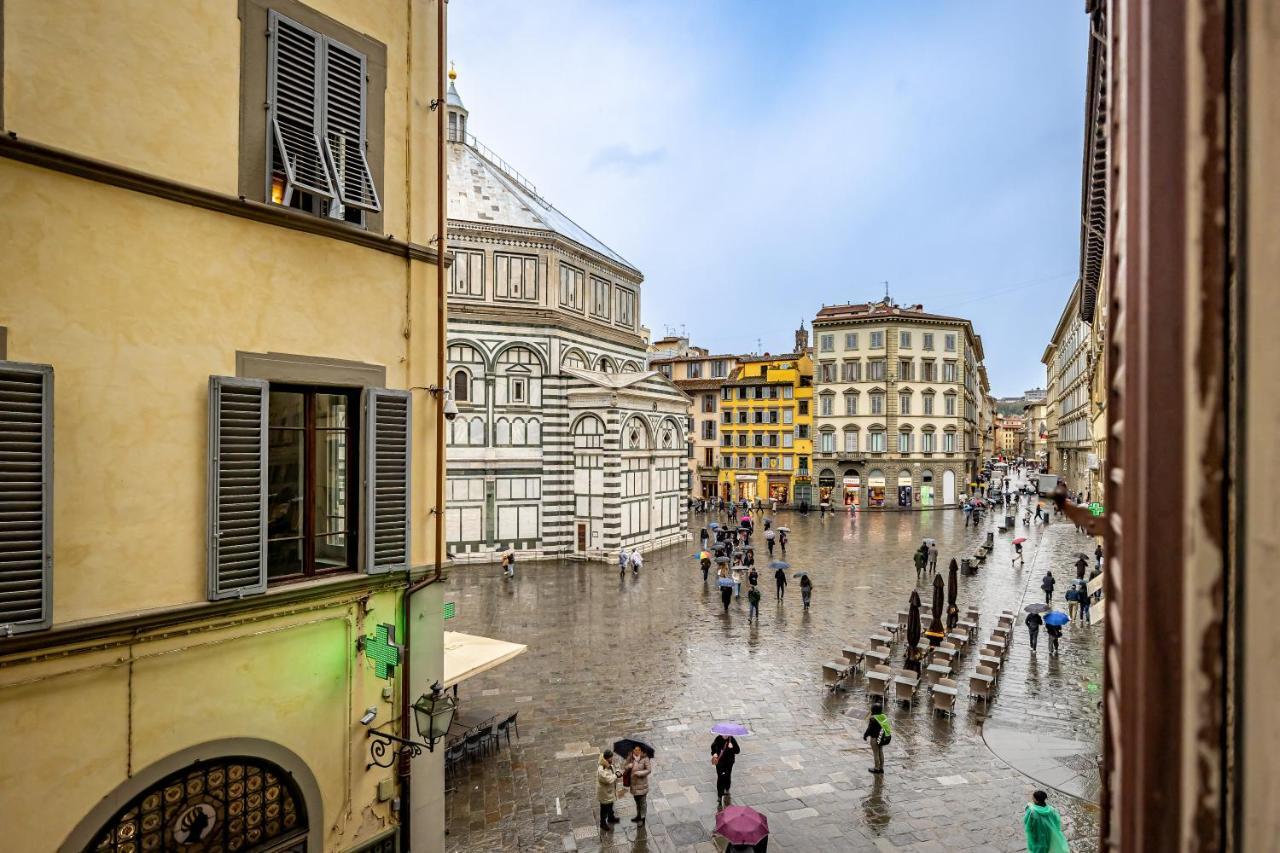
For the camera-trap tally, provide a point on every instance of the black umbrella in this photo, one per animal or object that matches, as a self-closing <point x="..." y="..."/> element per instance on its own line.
<point x="722" y="559"/>
<point x="623" y="747"/>
<point x="913" y="627"/>
<point x="935" y="631"/>
<point x="953" y="590"/>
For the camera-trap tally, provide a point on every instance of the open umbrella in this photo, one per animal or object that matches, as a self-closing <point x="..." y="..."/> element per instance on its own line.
<point x="1019" y="540"/>
<point x="725" y="582"/>
<point x="722" y="559"/>
<point x="730" y="729"/>
<point x="1037" y="608"/>
<point x="779" y="564"/>
<point x="715" y="525"/>
<point x="953" y="591"/>
<point x="741" y="825"/>
<point x="1056" y="617"/>
<point x="930" y="542"/>
<point x="935" y="631"/>
<point x="704" y="555"/>
<point x="783" y="529"/>
<point x="624" y="746"/>
<point x="800" y="575"/>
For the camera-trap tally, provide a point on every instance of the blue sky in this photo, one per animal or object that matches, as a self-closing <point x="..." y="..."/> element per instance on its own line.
<point x="756" y="160"/>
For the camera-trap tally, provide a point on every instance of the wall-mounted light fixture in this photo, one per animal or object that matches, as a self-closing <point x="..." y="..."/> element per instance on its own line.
<point x="433" y="715"/>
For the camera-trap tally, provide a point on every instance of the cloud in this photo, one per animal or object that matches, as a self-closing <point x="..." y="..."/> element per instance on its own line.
<point x="622" y="158"/>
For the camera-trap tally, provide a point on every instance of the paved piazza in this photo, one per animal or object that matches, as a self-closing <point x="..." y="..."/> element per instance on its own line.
<point x="653" y="656"/>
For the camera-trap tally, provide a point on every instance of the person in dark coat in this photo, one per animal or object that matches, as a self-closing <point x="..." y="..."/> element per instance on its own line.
<point x="1055" y="635"/>
<point x="780" y="579"/>
<point x="724" y="751"/>
<point x="873" y="735"/>
<point x="1033" y="622"/>
<point x="1047" y="584"/>
<point x="1081" y="565"/>
<point x="726" y="595"/>
<point x="782" y="542"/>
<point x="706" y="568"/>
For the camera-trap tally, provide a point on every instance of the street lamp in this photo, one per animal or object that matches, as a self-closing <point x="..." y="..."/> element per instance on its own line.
<point x="433" y="714"/>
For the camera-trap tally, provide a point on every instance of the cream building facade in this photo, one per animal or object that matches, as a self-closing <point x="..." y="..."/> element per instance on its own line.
<point x="1068" y="364"/>
<point x="565" y="443"/>
<point x="700" y="375"/>
<point x="221" y="473"/>
<point x="897" y="395"/>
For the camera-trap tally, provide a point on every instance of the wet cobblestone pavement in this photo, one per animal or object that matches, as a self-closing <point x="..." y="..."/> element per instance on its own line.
<point x="653" y="656"/>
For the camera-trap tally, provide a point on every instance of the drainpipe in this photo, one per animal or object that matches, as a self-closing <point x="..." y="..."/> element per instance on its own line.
<point x="406" y="810"/>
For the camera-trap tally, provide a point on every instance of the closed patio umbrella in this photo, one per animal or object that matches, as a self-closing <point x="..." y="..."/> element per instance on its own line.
<point x="935" y="632"/>
<point x="953" y="590"/>
<point x="913" y="632"/>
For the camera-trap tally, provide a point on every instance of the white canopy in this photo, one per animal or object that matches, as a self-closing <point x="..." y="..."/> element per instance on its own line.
<point x="466" y="655"/>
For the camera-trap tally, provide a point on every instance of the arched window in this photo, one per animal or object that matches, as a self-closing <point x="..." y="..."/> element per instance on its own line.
<point x="519" y="436"/>
<point x="476" y="431"/>
<point x="461" y="386"/>
<point x="606" y="365"/>
<point x="588" y="433"/>
<point x="635" y="435"/>
<point x="535" y="432"/>
<point x="631" y="367"/>
<point x="501" y="432"/>
<point x="669" y="436"/>
<point x="574" y="358"/>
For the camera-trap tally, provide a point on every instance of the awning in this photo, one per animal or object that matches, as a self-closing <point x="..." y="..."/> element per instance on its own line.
<point x="466" y="655"/>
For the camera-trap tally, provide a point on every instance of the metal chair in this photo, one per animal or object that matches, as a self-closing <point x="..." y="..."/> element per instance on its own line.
<point x="508" y="724"/>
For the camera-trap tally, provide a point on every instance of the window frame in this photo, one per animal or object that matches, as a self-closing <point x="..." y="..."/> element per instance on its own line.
<point x="576" y="279"/>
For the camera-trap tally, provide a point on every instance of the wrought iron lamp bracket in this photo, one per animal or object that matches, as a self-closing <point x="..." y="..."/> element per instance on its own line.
<point x="385" y="748"/>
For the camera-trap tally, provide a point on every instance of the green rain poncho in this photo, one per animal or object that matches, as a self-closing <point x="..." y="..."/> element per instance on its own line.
<point x="1044" y="830"/>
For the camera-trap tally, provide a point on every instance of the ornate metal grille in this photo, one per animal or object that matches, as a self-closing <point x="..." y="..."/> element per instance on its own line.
<point x="226" y="805"/>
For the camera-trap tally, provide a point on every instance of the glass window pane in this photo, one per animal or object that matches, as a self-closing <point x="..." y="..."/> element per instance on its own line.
<point x="330" y="489"/>
<point x="285" y="409"/>
<point x="284" y="557"/>
<point x="331" y="411"/>
<point x="284" y="483"/>
<point x="331" y="551"/>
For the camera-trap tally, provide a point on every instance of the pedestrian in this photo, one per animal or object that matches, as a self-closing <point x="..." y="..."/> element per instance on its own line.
<point x="806" y="590"/>
<point x="878" y="735"/>
<point x="753" y="599"/>
<point x="706" y="567"/>
<point x="607" y="789"/>
<point x="640" y="767"/>
<point x="1026" y="518"/>
<point x="1043" y="826"/>
<point x="780" y="579"/>
<point x="782" y="542"/>
<point x="737" y="582"/>
<point x="1047" y="584"/>
<point x="506" y="565"/>
<point x="703" y="537"/>
<point x="1072" y="595"/>
<point x="636" y="561"/>
<point x="1017" y="555"/>
<point x="624" y="560"/>
<point x="919" y="558"/>
<point x="933" y="557"/>
<point x="769" y="536"/>
<point x="726" y="595"/>
<point x="1085" y="601"/>
<point x="724" y="751"/>
<point x="749" y="558"/>
<point x="1097" y="556"/>
<point x="1055" y="635"/>
<point x="753" y="577"/>
<point x="1081" y="565"/>
<point x="511" y="564"/>
<point x="773" y="505"/>
<point x="1033" y="623"/>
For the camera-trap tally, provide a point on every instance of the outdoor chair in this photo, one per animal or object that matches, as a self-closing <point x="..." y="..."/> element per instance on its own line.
<point x="972" y="615"/>
<point x="834" y="673"/>
<point x="507" y="725"/>
<point x="879" y="687"/>
<point x="453" y="755"/>
<point x="905" y="686"/>
<point x="980" y="688"/>
<point x="944" y="696"/>
<point x="476" y="742"/>
<point x="855" y="655"/>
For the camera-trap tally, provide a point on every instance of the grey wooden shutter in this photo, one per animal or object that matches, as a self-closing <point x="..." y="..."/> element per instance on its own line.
<point x="294" y="81"/>
<point x="26" y="497"/>
<point x="237" y="487"/>
<point x="386" y="476"/>
<point x="344" y="133"/>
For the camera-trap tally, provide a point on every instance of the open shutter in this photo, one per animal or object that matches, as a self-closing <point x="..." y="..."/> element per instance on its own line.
<point x="26" y="497"/>
<point x="386" y="472"/>
<point x="237" y="487"/>
<point x="344" y="136"/>
<point x="294" y="73"/>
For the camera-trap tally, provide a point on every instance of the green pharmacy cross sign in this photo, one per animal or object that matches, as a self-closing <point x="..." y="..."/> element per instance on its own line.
<point x="383" y="650"/>
<point x="1096" y="509"/>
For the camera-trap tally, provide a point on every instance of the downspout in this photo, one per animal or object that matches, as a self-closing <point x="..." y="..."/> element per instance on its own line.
<point x="406" y="811"/>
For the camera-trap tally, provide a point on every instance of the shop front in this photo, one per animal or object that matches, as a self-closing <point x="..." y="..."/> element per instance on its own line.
<point x="826" y="485"/>
<point x="779" y="488"/>
<point x="852" y="488"/>
<point x="904" y="490"/>
<point x="747" y="484"/>
<point x="802" y="492"/>
<point x="926" y="488"/>
<point x="875" y="488"/>
<point x="709" y="488"/>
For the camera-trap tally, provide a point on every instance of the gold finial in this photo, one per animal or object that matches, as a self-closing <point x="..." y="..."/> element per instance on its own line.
<point x="453" y="72"/>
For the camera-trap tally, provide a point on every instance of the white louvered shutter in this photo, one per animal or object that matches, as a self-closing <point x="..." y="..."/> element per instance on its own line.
<point x="237" y="487"/>
<point x="345" y="90"/>
<point x="388" y="418"/>
<point x="294" y="74"/>
<point x="26" y="497"/>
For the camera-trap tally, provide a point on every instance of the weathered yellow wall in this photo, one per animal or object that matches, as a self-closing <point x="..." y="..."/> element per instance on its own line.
<point x="295" y="681"/>
<point x="134" y="328"/>
<point x="156" y="86"/>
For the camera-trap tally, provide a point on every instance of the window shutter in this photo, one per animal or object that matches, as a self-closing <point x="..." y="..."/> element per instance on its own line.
<point x="294" y="66"/>
<point x="386" y="472"/>
<point x="26" y="497"/>
<point x="344" y="138"/>
<point x="237" y="487"/>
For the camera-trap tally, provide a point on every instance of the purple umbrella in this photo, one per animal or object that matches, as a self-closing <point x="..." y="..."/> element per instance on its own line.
<point x="730" y="729"/>
<point x="741" y="825"/>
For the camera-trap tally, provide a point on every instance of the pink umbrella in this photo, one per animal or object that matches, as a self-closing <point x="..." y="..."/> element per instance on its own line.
<point x="741" y="825"/>
<point x="1019" y="540"/>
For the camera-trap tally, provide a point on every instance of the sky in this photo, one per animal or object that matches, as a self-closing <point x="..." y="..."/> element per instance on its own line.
<point x="757" y="160"/>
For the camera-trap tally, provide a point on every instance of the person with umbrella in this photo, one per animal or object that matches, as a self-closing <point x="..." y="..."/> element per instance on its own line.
<point x="806" y="588"/>
<point x="607" y="789"/>
<point x="726" y="585"/>
<point x="780" y="576"/>
<point x="1017" y="552"/>
<point x="769" y="536"/>
<point x="705" y="560"/>
<point x="1033" y="622"/>
<point x="753" y="598"/>
<point x="702" y="535"/>
<point x="1053" y="622"/>
<point x="741" y="829"/>
<point x="624" y="560"/>
<point x="724" y="751"/>
<point x="637" y="769"/>
<point x="782" y="540"/>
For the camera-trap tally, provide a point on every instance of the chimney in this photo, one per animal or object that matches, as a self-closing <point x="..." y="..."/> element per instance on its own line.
<point x="802" y="339"/>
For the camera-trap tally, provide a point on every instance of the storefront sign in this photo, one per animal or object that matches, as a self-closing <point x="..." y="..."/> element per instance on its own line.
<point x="383" y="650"/>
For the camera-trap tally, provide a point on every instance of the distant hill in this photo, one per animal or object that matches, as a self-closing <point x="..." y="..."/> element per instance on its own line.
<point x="1010" y="405"/>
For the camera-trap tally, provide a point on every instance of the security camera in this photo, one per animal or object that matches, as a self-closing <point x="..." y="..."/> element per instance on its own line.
<point x="450" y="407"/>
<point x="368" y="716"/>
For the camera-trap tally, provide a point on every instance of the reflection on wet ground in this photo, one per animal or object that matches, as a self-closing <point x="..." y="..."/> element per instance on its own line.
<point x="654" y="656"/>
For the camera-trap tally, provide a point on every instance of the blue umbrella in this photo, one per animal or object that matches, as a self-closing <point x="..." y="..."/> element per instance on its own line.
<point x="715" y="525"/>
<point x="1056" y="617"/>
<point x="725" y="582"/>
<point x="779" y="564"/>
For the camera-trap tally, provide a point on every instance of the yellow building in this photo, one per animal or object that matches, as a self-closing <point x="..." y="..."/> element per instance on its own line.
<point x="766" y="428"/>
<point x="219" y="321"/>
